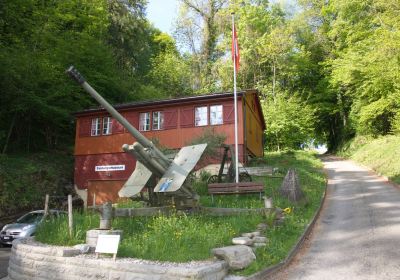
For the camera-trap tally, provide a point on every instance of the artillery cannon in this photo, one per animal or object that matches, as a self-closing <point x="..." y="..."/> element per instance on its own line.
<point x="164" y="178"/>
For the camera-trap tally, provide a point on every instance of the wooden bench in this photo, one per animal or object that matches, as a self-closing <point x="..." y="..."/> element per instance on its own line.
<point x="235" y="188"/>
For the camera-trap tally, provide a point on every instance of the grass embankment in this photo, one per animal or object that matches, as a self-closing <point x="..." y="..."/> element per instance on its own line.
<point x="25" y="179"/>
<point x="181" y="237"/>
<point x="381" y="154"/>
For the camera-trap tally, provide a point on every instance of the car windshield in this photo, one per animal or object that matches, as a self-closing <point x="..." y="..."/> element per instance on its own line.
<point x="30" y="218"/>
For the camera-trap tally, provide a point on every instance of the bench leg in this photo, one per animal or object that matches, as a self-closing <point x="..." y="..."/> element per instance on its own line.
<point x="212" y="199"/>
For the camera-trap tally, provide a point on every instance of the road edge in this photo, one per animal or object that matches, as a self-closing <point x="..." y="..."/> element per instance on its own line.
<point x="295" y="249"/>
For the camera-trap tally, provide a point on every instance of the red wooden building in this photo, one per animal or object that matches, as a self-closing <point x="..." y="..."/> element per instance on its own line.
<point x="102" y="167"/>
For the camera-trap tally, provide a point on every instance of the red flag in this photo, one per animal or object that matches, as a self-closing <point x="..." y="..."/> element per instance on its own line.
<point x="235" y="48"/>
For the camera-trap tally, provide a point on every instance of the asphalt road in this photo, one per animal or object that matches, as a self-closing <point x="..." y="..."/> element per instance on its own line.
<point x="357" y="235"/>
<point x="4" y="257"/>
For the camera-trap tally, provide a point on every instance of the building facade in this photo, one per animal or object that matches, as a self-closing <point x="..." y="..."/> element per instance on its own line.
<point x="102" y="167"/>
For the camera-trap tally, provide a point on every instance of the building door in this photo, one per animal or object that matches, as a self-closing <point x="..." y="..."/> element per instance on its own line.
<point x="104" y="190"/>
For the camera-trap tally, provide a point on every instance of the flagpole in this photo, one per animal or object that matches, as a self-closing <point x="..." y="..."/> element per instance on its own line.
<point x="235" y="104"/>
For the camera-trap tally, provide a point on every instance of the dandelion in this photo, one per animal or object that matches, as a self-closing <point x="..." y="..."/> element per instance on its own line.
<point x="287" y="210"/>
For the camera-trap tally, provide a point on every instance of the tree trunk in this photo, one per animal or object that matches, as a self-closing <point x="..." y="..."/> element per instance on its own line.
<point x="273" y="80"/>
<point x="9" y="133"/>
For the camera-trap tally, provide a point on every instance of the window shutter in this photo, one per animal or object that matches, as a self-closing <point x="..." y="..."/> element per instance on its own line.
<point x="116" y="127"/>
<point x="170" y="119"/>
<point x="85" y="126"/>
<point x="187" y="117"/>
<point x="229" y="113"/>
<point x="133" y="119"/>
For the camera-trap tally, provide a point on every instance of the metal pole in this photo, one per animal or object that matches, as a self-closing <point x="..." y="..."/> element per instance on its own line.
<point x="235" y="104"/>
<point x="70" y="219"/>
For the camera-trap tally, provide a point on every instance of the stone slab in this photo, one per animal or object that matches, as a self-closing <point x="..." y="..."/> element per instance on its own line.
<point x="242" y="241"/>
<point x="237" y="256"/>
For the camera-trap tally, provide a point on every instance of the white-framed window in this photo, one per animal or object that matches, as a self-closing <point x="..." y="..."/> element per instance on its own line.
<point x="201" y="116"/>
<point x="216" y="116"/>
<point x="107" y="125"/>
<point x="144" y="121"/>
<point x="96" y="125"/>
<point x="158" y="120"/>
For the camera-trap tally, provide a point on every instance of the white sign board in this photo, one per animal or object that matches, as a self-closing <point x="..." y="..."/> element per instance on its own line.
<point x="107" y="244"/>
<point x="120" y="167"/>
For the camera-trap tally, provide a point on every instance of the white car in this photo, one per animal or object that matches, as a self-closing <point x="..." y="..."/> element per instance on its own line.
<point x="25" y="226"/>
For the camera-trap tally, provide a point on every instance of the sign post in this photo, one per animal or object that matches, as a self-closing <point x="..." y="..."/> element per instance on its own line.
<point x="107" y="244"/>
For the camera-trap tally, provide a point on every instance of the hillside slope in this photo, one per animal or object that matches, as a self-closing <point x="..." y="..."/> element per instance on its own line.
<point x="381" y="154"/>
<point x="25" y="179"/>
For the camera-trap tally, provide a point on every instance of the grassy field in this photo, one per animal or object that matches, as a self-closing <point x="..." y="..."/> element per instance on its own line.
<point x="180" y="237"/>
<point x="381" y="154"/>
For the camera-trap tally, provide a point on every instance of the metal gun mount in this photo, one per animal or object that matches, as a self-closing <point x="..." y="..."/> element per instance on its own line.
<point x="164" y="178"/>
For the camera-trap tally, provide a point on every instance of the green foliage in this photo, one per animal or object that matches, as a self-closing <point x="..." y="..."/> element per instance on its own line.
<point x="213" y="140"/>
<point x="396" y="123"/>
<point x="110" y="43"/>
<point x="170" y="73"/>
<point x="290" y="123"/>
<point x="365" y="63"/>
<point x="376" y="118"/>
<point x="25" y="180"/>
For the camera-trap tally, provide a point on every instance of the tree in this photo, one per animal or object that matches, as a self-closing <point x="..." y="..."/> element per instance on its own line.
<point x="198" y="29"/>
<point x="170" y="72"/>
<point x="106" y="40"/>
<point x="290" y="123"/>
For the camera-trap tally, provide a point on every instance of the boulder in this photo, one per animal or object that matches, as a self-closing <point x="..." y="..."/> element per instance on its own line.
<point x="290" y="187"/>
<point x="237" y="256"/>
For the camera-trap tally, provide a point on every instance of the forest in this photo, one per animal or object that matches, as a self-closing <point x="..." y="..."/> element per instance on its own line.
<point x="326" y="70"/>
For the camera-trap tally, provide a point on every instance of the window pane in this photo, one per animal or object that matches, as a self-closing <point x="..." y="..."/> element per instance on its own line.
<point x="158" y="120"/>
<point x="107" y="124"/>
<point x="216" y="114"/>
<point x="144" y="121"/>
<point x="200" y="116"/>
<point x="95" y="127"/>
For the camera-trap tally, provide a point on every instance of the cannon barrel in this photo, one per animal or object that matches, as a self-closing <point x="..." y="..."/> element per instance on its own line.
<point x="74" y="74"/>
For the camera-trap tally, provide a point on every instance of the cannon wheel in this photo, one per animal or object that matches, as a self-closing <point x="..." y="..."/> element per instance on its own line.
<point x="244" y="177"/>
<point x="212" y="179"/>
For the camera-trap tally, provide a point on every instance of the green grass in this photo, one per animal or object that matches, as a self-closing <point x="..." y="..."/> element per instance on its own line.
<point x="180" y="237"/>
<point x="381" y="154"/>
<point x="176" y="238"/>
